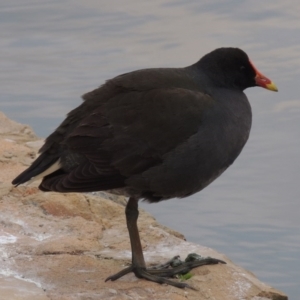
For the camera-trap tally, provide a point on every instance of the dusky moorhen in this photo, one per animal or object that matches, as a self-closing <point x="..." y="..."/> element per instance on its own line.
<point x="153" y="134"/>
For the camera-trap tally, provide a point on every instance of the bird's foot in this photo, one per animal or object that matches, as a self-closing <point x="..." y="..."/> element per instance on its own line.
<point x="170" y="269"/>
<point x="149" y="275"/>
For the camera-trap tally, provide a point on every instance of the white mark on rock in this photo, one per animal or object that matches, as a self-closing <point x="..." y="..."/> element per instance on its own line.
<point x="6" y="238"/>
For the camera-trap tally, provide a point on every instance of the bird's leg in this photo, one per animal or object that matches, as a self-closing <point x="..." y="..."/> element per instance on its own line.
<point x="138" y="266"/>
<point x="132" y="214"/>
<point x="138" y="261"/>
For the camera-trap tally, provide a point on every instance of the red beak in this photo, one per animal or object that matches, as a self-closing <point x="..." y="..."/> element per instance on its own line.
<point x="263" y="81"/>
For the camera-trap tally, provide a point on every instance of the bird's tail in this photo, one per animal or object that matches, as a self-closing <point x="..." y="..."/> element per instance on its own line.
<point x="42" y="166"/>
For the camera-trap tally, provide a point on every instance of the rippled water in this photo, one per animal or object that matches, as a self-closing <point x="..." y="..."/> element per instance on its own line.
<point x="54" y="51"/>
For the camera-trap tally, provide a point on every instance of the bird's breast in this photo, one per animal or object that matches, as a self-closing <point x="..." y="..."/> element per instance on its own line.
<point x="205" y="155"/>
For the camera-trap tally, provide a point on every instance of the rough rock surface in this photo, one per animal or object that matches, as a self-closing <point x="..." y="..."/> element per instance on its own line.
<point x="63" y="246"/>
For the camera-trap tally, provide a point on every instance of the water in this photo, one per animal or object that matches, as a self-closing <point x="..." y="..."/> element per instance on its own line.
<point x="54" y="51"/>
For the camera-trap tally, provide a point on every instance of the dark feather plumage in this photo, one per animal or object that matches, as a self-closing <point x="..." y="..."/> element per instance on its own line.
<point x="153" y="133"/>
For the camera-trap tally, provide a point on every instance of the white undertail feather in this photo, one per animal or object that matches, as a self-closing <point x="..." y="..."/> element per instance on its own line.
<point x="56" y="166"/>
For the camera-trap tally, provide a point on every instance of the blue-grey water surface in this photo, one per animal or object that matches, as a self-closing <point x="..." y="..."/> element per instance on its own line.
<point x="54" y="51"/>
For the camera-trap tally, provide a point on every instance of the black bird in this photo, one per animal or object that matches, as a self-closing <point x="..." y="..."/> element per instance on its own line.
<point x="153" y="134"/>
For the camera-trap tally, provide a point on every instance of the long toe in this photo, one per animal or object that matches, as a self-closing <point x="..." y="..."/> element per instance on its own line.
<point x="120" y="274"/>
<point x="184" y="267"/>
<point x="141" y="273"/>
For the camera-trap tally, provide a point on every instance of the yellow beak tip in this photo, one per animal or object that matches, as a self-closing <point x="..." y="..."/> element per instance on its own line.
<point x="272" y="87"/>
